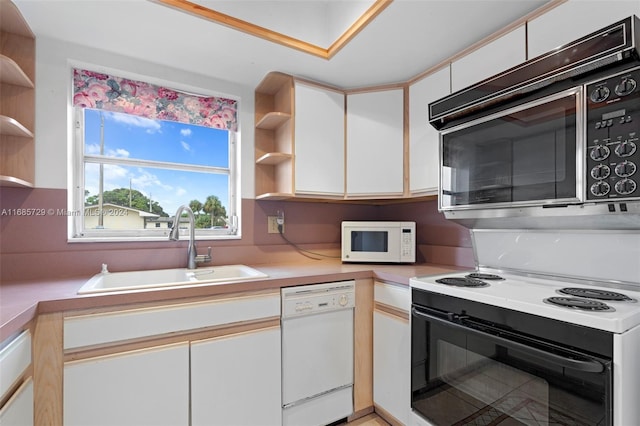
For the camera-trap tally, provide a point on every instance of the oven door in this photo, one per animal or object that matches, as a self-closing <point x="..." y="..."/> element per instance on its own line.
<point x="526" y="155"/>
<point x="465" y="372"/>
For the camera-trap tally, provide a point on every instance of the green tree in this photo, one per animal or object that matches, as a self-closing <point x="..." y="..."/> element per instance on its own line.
<point x="196" y="206"/>
<point x="121" y="197"/>
<point x="216" y="211"/>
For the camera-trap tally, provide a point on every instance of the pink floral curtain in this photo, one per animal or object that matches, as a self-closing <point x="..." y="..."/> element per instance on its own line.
<point x="102" y="91"/>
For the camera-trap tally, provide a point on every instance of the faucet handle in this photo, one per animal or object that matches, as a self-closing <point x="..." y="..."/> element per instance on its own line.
<point x="204" y="258"/>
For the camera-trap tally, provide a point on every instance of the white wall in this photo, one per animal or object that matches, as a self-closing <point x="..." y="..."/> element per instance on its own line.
<point x="54" y="60"/>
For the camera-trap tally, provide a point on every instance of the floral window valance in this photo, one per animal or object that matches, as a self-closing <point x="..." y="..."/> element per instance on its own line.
<point x="103" y="91"/>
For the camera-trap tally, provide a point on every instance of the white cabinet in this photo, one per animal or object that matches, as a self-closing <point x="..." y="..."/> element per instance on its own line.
<point x="499" y="55"/>
<point x="424" y="142"/>
<point x="318" y="141"/>
<point x="18" y="411"/>
<point x="200" y="362"/>
<point x="15" y="359"/>
<point x="375" y="143"/>
<point x="575" y="19"/>
<point x="143" y="387"/>
<point x="392" y="352"/>
<point x="235" y="380"/>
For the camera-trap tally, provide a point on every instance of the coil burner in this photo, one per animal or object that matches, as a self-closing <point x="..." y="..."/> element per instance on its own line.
<point x="594" y="293"/>
<point x="580" y="304"/>
<point x="485" y="276"/>
<point x="462" y="282"/>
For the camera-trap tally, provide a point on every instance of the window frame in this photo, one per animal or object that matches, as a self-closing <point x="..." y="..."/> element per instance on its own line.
<point x="78" y="159"/>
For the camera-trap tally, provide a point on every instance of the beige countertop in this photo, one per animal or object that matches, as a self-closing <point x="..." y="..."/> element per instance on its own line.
<point x="20" y="302"/>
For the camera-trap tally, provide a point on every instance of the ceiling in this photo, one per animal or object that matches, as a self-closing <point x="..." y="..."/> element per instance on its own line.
<point x="405" y="39"/>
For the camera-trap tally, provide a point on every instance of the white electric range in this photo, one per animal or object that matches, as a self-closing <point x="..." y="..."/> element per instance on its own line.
<point x="521" y="274"/>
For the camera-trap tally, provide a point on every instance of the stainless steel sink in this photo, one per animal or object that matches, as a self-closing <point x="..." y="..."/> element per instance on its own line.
<point x="136" y="280"/>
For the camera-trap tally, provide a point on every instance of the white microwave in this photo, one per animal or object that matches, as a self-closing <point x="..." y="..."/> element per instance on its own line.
<point x="379" y="242"/>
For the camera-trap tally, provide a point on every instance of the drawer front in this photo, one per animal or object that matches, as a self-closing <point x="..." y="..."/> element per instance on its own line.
<point x="397" y="296"/>
<point x="95" y="329"/>
<point x="14" y="360"/>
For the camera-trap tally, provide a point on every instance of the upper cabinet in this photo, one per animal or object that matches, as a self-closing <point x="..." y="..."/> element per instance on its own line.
<point x="299" y="139"/>
<point x="375" y="144"/>
<point x="424" y="139"/>
<point x="319" y="141"/>
<point x="17" y="98"/>
<point x="499" y="55"/>
<point x="572" y="20"/>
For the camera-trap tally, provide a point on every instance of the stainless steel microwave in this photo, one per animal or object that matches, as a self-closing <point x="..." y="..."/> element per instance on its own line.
<point x="379" y="242"/>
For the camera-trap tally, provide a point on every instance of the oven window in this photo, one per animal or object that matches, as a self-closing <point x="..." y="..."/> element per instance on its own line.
<point x="520" y="157"/>
<point x="459" y="378"/>
<point x="370" y="241"/>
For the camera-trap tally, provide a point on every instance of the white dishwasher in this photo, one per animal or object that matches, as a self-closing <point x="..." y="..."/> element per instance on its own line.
<point x="317" y="353"/>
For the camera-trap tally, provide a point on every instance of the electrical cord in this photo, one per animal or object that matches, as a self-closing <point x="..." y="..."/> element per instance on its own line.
<point x="302" y="251"/>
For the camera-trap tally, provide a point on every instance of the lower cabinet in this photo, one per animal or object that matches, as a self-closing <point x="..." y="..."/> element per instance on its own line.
<point x="18" y="411"/>
<point x="212" y="362"/>
<point x="392" y="353"/>
<point x="235" y="379"/>
<point x="16" y="384"/>
<point x="142" y="387"/>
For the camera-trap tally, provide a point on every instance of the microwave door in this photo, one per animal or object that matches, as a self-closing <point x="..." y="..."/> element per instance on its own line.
<point x="522" y="156"/>
<point x="374" y="245"/>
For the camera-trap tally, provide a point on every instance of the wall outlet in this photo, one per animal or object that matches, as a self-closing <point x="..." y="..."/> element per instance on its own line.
<point x="272" y="225"/>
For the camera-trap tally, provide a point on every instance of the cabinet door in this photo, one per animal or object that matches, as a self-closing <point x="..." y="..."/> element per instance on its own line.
<point x="499" y="55"/>
<point x="424" y="141"/>
<point x="235" y="380"/>
<point x="574" y="19"/>
<point x="319" y="141"/>
<point x="143" y="387"/>
<point x="375" y="144"/>
<point x="18" y="410"/>
<point x="392" y="365"/>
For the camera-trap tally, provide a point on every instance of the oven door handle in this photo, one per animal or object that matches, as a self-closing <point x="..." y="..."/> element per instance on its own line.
<point x="589" y="366"/>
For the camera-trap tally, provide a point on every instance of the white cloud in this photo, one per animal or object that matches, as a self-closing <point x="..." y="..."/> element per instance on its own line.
<point x="152" y="126"/>
<point x="94" y="149"/>
<point x="185" y="146"/>
<point x="185" y="132"/>
<point x="149" y="180"/>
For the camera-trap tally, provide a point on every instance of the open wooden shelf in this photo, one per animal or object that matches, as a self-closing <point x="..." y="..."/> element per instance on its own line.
<point x="17" y="99"/>
<point x="14" y="182"/>
<point x="274" y="137"/>
<point x="11" y="127"/>
<point x="272" y="120"/>
<point x="273" y="158"/>
<point x="274" y="196"/>
<point x="11" y="73"/>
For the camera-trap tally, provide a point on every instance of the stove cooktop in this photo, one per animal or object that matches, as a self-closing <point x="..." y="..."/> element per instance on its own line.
<point x="611" y="309"/>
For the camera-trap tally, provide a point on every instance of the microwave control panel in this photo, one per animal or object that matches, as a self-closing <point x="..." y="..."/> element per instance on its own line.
<point x="613" y="149"/>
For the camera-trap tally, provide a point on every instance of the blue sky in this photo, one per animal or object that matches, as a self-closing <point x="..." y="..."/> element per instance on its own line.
<point x="133" y="137"/>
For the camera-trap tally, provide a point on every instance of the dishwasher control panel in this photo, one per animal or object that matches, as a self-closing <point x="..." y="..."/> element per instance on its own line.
<point x="317" y="298"/>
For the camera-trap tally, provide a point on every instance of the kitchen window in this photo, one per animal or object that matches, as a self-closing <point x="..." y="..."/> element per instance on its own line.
<point x="141" y="150"/>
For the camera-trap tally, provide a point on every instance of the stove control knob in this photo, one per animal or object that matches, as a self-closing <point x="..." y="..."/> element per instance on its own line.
<point x="626" y="168"/>
<point x="600" y="188"/>
<point x="626" y="149"/>
<point x="625" y="186"/>
<point x="626" y="86"/>
<point x="600" y="172"/>
<point x="600" y="94"/>
<point x="600" y="152"/>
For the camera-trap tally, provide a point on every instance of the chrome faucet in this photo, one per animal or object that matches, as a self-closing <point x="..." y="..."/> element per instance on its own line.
<point x="192" y="256"/>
